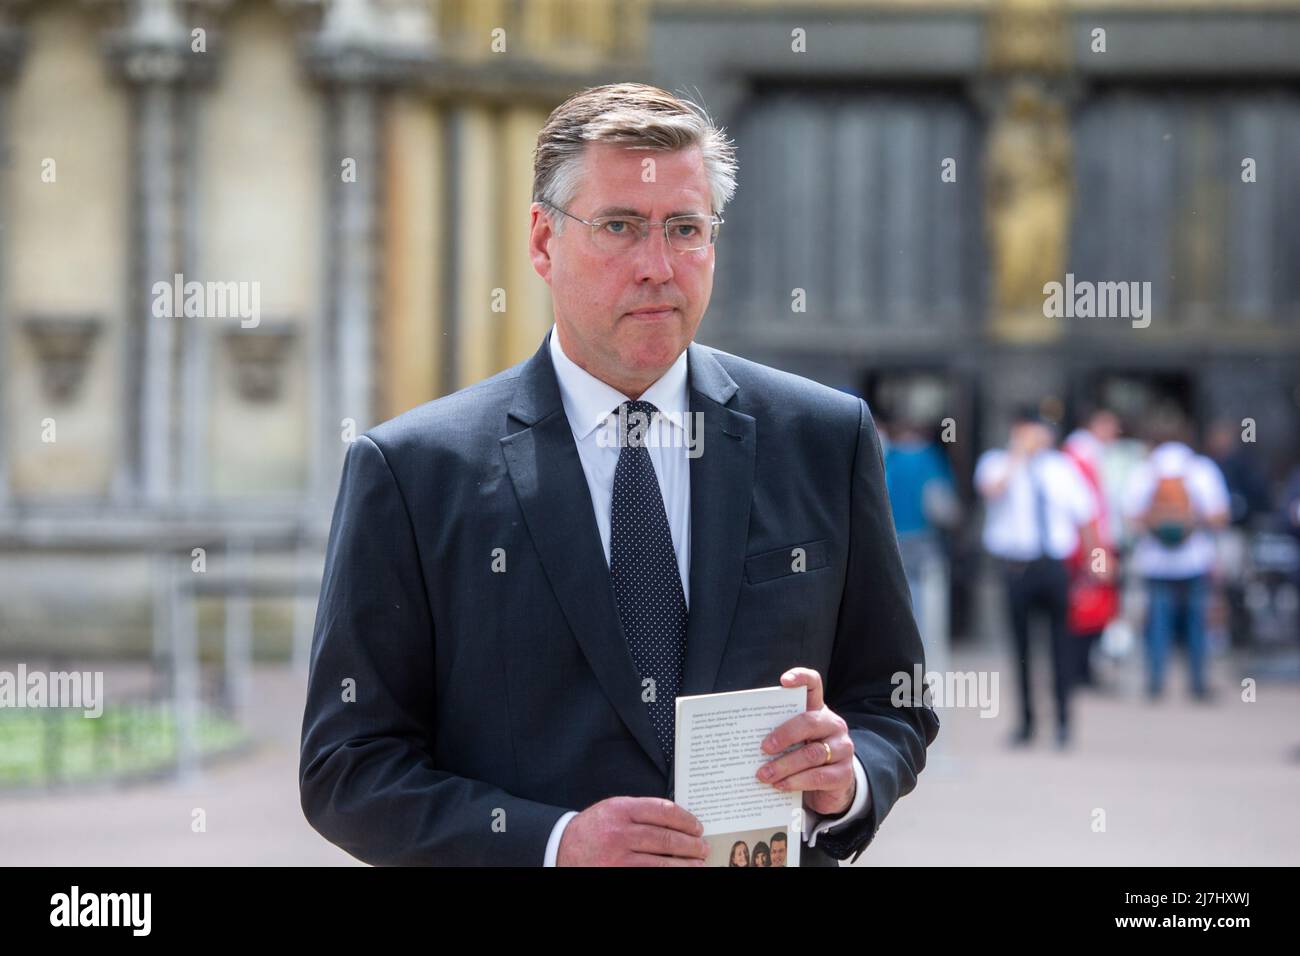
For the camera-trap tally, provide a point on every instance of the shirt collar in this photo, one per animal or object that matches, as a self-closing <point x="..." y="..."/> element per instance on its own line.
<point x="588" y="401"/>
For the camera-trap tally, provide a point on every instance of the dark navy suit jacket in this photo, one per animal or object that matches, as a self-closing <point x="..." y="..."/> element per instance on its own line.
<point x="488" y="702"/>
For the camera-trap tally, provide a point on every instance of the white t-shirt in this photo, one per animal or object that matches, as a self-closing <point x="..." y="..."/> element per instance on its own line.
<point x="1010" y="520"/>
<point x="1209" y="496"/>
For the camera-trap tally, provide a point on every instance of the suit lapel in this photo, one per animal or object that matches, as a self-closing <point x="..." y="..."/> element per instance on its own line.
<point x="722" y="486"/>
<point x="551" y="487"/>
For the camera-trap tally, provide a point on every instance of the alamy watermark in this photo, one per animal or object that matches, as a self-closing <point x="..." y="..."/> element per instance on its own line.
<point x="687" y="430"/>
<point x="977" y="689"/>
<point x="208" y="300"/>
<point x="82" y="690"/>
<point x="75" y="908"/>
<point x="1101" y="300"/>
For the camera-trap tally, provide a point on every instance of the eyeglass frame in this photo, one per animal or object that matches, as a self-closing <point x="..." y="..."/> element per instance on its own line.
<point x="715" y="221"/>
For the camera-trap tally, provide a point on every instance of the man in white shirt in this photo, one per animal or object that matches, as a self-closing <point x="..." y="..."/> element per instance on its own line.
<point x="1037" y="506"/>
<point x="519" y="599"/>
<point x="1177" y="499"/>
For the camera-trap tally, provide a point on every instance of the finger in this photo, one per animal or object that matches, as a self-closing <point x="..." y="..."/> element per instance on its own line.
<point x="661" y="841"/>
<point x="832" y="776"/>
<point x="810" y="725"/>
<point x="809" y="678"/>
<point x="789" y="733"/>
<point x="657" y="811"/>
<point x="813" y="754"/>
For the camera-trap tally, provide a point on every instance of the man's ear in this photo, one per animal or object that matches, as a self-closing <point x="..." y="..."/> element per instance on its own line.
<point x="539" y="240"/>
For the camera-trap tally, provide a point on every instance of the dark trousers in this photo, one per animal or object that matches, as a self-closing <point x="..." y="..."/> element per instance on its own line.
<point x="1039" y="589"/>
<point x="1081" y="647"/>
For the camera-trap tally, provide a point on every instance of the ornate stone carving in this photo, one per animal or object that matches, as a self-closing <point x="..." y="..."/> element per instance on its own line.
<point x="1028" y="35"/>
<point x="155" y="45"/>
<point x="1026" y="87"/>
<point x="12" y="48"/>
<point x="371" y="41"/>
<point x="62" y="344"/>
<point x="1028" y="200"/>
<point x="258" y="357"/>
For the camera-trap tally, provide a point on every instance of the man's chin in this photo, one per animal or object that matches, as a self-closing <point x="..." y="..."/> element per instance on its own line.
<point x="653" y="361"/>
<point x="650" y="348"/>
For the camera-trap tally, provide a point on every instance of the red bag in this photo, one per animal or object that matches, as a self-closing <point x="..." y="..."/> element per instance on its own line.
<point x="1092" y="605"/>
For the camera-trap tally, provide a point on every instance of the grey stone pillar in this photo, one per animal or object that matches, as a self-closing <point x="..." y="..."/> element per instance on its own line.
<point x="152" y="54"/>
<point x="353" y="237"/>
<point x="360" y="48"/>
<point x="239" y="630"/>
<point x="186" y="675"/>
<point x="11" y="49"/>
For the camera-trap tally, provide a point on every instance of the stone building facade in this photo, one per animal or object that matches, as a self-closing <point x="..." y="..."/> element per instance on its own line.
<point x="361" y="170"/>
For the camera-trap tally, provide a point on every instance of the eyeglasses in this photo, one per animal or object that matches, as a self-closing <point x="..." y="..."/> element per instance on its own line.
<point x="621" y="233"/>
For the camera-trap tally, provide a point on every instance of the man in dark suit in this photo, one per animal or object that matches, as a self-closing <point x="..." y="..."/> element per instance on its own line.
<point x="512" y="600"/>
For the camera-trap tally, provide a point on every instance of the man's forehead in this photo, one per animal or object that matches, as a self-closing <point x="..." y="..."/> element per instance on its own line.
<point x="616" y="177"/>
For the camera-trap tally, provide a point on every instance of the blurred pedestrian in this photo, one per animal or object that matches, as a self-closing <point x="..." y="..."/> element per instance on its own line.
<point x="1249" y="496"/>
<point x="923" y="499"/>
<point x="1177" y="498"/>
<point x="1250" y="512"/>
<point x="1289" y="515"/>
<point x="1037" y="507"/>
<point x="1094" y="591"/>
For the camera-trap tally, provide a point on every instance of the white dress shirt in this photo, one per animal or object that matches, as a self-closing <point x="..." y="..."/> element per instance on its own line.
<point x="590" y="405"/>
<point x="1010" y="521"/>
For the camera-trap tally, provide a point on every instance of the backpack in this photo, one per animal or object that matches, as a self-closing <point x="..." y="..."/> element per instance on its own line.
<point x="1170" y="516"/>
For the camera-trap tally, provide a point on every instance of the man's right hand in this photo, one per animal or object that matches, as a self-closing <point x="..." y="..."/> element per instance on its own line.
<point x="633" y="831"/>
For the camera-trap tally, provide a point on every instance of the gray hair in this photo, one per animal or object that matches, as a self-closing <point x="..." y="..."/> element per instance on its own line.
<point x="631" y="114"/>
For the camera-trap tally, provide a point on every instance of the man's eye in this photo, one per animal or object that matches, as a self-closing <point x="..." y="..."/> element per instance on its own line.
<point x="617" y="226"/>
<point x="687" y="230"/>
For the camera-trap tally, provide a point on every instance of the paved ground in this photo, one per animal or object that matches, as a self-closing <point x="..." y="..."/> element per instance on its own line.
<point x="1179" y="783"/>
<point x="250" y="804"/>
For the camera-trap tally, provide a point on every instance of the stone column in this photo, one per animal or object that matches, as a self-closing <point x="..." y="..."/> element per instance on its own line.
<point x="354" y="226"/>
<point x="11" y="48"/>
<point x="1025" y="88"/>
<point x="152" y="54"/>
<point x="359" y="48"/>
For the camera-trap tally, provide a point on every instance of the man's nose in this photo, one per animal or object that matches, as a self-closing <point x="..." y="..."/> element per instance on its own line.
<point x="654" y="257"/>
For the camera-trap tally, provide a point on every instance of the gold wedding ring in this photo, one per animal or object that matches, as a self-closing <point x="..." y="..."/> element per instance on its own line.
<point x="828" y="753"/>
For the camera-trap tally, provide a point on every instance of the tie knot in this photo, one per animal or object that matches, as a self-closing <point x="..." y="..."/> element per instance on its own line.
<point x="634" y="419"/>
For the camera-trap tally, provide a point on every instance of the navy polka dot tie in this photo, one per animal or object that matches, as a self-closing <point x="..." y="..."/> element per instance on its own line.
<point x="643" y="565"/>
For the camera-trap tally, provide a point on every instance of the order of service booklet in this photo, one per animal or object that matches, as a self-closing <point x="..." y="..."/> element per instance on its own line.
<point x="718" y="750"/>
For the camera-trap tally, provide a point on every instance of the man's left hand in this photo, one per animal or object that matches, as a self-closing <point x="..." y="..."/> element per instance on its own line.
<point x="828" y="785"/>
